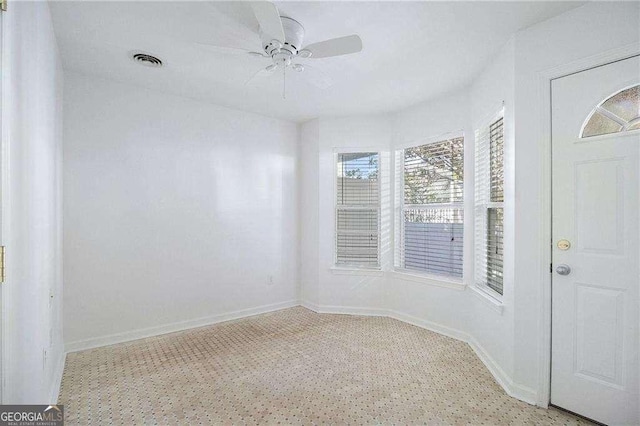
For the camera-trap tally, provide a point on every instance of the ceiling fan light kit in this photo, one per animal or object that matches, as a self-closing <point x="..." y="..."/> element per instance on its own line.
<point x="293" y="37"/>
<point x="284" y="52"/>
<point x="283" y="37"/>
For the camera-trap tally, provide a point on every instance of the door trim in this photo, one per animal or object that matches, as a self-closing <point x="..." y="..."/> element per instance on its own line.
<point x="545" y="78"/>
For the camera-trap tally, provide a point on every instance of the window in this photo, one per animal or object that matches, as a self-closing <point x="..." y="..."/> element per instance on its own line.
<point x="618" y="113"/>
<point x="357" y="209"/>
<point x="431" y="222"/>
<point x="489" y="205"/>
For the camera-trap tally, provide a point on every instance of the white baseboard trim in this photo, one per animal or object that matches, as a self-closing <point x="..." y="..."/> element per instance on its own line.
<point x="314" y="307"/>
<point x="520" y="392"/>
<point x="432" y="326"/>
<point x="54" y="393"/>
<point x="143" y="333"/>
<point x="345" y="310"/>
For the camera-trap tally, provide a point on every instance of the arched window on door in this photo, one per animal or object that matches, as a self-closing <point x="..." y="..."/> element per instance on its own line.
<point x="618" y="113"/>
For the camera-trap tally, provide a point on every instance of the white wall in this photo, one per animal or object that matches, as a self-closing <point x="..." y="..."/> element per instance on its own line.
<point x="177" y="212"/>
<point x="308" y="211"/>
<point x="31" y="222"/>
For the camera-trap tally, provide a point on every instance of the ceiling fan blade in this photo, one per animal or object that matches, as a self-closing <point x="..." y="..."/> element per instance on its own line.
<point x="335" y="47"/>
<point x="263" y="72"/>
<point x="316" y="77"/>
<point x="231" y="50"/>
<point x="269" y="19"/>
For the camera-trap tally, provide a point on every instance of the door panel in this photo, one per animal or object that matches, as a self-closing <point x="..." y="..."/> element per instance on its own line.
<point x="599" y="338"/>
<point x="599" y="191"/>
<point x="595" y="307"/>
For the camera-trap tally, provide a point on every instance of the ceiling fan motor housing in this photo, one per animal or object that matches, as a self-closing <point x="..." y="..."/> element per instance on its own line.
<point x="294" y="36"/>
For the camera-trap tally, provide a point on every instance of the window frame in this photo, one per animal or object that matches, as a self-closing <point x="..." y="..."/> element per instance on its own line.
<point x="400" y="206"/>
<point x="481" y="209"/>
<point x="355" y="266"/>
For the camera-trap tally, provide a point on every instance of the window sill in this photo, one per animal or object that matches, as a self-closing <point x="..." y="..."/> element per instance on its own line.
<point x="493" y="303"/>
<point x="346" y="270"/>
<point x="427" y="279"/>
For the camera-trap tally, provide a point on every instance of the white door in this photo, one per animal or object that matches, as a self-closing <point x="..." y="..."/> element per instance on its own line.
<point x="596" y="146"/>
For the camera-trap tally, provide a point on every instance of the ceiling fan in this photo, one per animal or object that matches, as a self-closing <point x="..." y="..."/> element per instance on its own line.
<point x="282" y="40"/>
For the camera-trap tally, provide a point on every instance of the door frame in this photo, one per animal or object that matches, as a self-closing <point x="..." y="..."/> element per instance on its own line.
<point x="544" y="135"/>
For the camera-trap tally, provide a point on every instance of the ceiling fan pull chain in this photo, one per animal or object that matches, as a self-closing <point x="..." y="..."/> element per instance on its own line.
<point x="284" y="82"/>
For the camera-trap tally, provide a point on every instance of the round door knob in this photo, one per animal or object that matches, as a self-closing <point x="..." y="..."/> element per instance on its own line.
<point x="563" y="269"/>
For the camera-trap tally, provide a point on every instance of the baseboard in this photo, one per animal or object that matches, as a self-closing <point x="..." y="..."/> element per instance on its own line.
<point x="512" y="389"/>
<point x="432" y="326"/>
<point x="128" y="336"/>
<point x="314" y="307"/>
<point x="345" y="310"/>
<point x="57" y="379"/>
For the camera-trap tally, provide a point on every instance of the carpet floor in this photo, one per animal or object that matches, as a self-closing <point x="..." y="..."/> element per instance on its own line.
<point x="292" y="366"/>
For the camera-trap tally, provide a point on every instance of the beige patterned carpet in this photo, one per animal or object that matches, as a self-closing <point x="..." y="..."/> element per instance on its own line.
<point x="291" y="367"/>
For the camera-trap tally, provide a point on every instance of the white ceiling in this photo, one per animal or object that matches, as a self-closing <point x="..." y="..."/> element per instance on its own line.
<point x="412" y="50"/>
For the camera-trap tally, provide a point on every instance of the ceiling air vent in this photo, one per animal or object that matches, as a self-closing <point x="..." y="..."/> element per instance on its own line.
<point x="146" y="59"/>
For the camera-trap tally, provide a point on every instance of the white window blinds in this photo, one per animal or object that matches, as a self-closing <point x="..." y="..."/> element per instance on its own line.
<point x="489" y="205"/>
<point x="431" y="212"/>
<point x="357" y="209"/>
